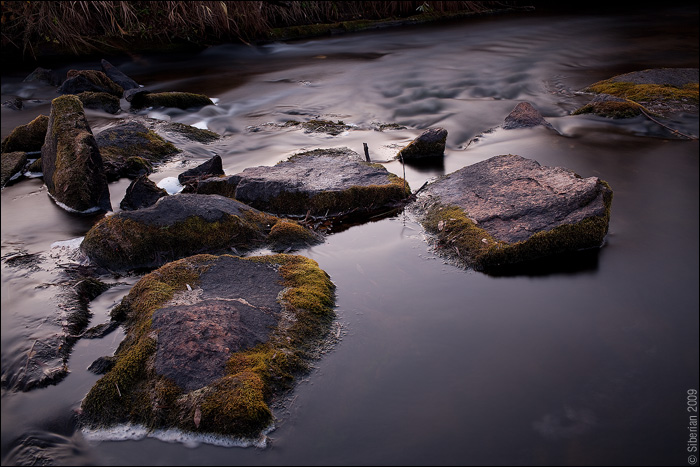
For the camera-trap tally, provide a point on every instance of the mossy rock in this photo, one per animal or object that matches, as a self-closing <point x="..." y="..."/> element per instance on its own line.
<point x="181" y="100"/>
<point x="100" y="101"/>
<point x="608" y="106"/>
<point x="191" y="133"/>
<point x="660" y="90"/>
<point x="27" y="138"/>
<point x="179" y="226"/>
<point x="320" y="126"/>
<point x="12" y="165"/>
<point x="322" y="183"/>
<point x="120" y="144"/>
<point x="430" y="143"/>
<point x="71" y="161"/>
<point x="210" y="341"/>
<point x="508" y="210"/>
<point x="89" y="81"/>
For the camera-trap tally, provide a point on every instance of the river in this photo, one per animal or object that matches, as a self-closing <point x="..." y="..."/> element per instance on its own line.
<point x="586" y="364"/>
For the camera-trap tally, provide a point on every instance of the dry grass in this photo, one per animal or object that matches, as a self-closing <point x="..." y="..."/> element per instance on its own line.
<point x="88" y="26"/>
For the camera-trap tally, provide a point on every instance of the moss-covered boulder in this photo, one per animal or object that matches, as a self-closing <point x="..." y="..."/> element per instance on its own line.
<point x="71" y="160"/>
<point x="181" y="100"/>
<point x="210" y="341"/>
<point x="100" y="101"/>
<point x="183" y="225"/>
<point x="321" y="182"/>
<point x="508" y="210"/>
<point x="120" y="144"/>
<point x="605" y="105"/>
<point x="12" y="165"/>
<point x="78" y="81"/>
<point x="430" y="143"/>
<point x="27" y="138"/>
<point x="659" y="90"/>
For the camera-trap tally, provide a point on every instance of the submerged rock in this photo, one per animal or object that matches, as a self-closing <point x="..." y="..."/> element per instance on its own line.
<point x="141" y="193"/>
<point x="120" y="144"/>
<point x="182" y="225"/>
<point x="71" y="160"/>
<point x="508" y="209"/>
<point x="431" y="143"/>
<point x="45" y="76"/>
<point x="322" y="182"/>
<point x="524" y="115"/>
<point x="27" y="138"/>
<point x="210" y="341"/>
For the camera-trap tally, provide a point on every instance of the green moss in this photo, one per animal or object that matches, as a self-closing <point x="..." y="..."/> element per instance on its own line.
<point x="645" y="92"/>
<point x="611" y="109"/>
<point x="120" y="242"/>
<point x="27" y="138"/>
<point x="320" y="126"/>
<point x="192" y="133"/>
<point x="100" y="79"/>
<point x="237" y="403"/>
<point x="100" y="101"/>
<point x="289" y="234"/>
<point x="459" y="237"/>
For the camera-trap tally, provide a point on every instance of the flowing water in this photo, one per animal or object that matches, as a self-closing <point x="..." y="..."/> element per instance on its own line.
<point x="589" y="363"/>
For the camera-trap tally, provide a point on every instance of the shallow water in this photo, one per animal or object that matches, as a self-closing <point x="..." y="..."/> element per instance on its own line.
<point x="589" y="364"/>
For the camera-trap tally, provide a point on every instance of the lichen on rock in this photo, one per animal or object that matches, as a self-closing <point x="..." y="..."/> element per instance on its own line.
<point x="210" y="340"/>
<point x="508" y="210"/>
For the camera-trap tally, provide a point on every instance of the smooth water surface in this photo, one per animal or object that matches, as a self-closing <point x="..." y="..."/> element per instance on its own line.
<point x="586" y="364"/>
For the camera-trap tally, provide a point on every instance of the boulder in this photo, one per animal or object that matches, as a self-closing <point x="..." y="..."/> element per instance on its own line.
<point x="27" y="138"/>
<point x="71" y="160"/>
<point x="141" y="193"/>
<point x="182" y="225"/>
<point x="210" y="341"/>
<point x="89" y="81"/>
<point x="121" y="143"/>
<point x="524" y="115"/>
<point x="431" y="143"/>
<point x="609" y="106"/>
<point x="508" y="209"/>
<point x="100" y="101"/>
<point x="662" y="91"/>
<point x="211" y="168"/>
<point x="14" y="104"/>
<point x="181" y="100"/>
<point x="12" y="165"/>
<point x="321" y="182"/>
<point x="117" y="76"/>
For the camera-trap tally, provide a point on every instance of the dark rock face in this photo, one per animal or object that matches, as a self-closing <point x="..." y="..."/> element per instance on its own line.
<point x="12" y="164"/>
<point x="100" y="101"/>
<point x="508" y="209"/>
<point x="89" y="81"/>
<point x="117" y="76"/>
<point x="676" y="77"/>
<point x="524" y="115"/>
<point x="198" y="332"/>
<point x="71" y="160"/>
<point x="29" y="137"/>
<point x="322" y="182"/>
<point x="212" y="167"/>
<point x="44" y="75"/>
<point x="431" y="143"/>
<point x="180" y="100"/>
<point x="141" y="193"/>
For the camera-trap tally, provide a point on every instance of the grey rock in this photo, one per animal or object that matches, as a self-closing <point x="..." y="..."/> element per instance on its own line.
<point x="524" y="115"/>
<point x="212" y="167"/>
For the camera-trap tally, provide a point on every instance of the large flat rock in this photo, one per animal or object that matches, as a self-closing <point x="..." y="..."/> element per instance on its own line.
<point x="322" y="182"/>
<point x="509" y="209"/>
